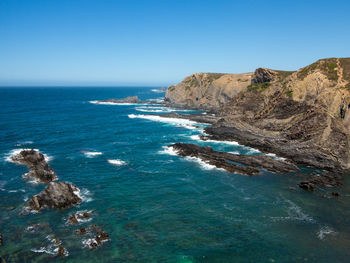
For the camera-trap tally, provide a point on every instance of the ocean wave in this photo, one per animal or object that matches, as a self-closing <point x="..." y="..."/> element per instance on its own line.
<point x="203" y="164"/>
<point x="14" y="152"/>
<point x="52" y="247"/>
<point x="294" y="213"/>
<point x="84" y="194"/>
<point x="188" y="124"/>
<point x="158" y="90"/>
<point x="197" y="138"/>
<point x="114" y="103"/>
<point x="168" y="150"/>
<point x="325" y="231"/>
<point x="20" y="143"/>
<point x="91" y="154"/>
<point x="116" y="162"/>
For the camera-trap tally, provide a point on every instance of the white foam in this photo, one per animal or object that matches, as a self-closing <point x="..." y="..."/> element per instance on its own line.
<point x="24" y="143"/>
<point x="168" y="150"/>
<point x="158" y="90"/>
<point x="274" y="156"/>
<point x="51" y="248"/>
<point x="91" y="154"/>
<point x="197" y="138"/>
<point x="14" y="152"/>
<point x="174" y="121"/>
<point x="116" y="162"/>
<point x="295" y="213"/>
<point x="82" y="220"/>
<point x="84" y="194"/>
<point x="113" y="103"/>
<point x="324" y="231"/>
<point x="205" y="165"/>
<point x="234" y="152"/>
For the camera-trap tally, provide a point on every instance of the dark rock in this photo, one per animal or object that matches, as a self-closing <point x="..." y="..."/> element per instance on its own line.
<point x="35" y="161"/>
<point x="262" y="75"/>
<point x="81" y="231"/>
<point x="74" y="219"/>
<point x="131" y="99"/>
<point x="61" y="251"/>
<point x="336" y="194"/>
<point x="308" y="186"/>
<point x="0" y="239"/>
<point x="235" y="163"/>
<point x="56" y="195"/>
<point x="96" y="234"/>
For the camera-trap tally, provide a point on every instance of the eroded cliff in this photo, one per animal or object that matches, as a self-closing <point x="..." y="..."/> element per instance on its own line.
<point x="302" y="115"/>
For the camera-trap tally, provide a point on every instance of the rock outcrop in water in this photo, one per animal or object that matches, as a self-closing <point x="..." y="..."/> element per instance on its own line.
<point x="56" y="195"/>
<point x="74" y="219"/>
<point x="37" y="164"/>
<point x="96" y="236"/>
<point x="300" y="115"/>
<point x="130" y="99"/>
<point x="234" y="163"/>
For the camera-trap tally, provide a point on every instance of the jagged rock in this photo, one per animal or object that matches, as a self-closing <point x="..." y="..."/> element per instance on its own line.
<point x="262" y="75"/>
<point x="74" y="219"/>
<point x="56" y="195"/>
<point x="37" y="164"/>
<point x="308" y="186"/>
<point x="81" y="231"/>
<point x="235" y="163"/>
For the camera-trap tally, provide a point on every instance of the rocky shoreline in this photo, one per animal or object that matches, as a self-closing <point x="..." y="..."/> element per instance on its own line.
<point x="299" y="115"/>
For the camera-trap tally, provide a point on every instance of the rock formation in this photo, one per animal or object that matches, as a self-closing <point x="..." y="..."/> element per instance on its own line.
<point x="56" y="195"/>
<point x="37" y="164"/>
<point x="74" y="219"/>
<point x="234" y="163"/>
<point x="96" y="236"/>
<point x="300" y="115"/>
<point x="131" y="99"/>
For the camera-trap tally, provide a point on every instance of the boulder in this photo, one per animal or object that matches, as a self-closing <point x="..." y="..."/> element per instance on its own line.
<point x="56" y="195"/>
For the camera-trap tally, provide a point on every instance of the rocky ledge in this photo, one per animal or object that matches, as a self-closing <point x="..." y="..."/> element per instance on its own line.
<point x="234" y="163"/>
<point x="56" y="195"/>
<point x="37" y="164"/>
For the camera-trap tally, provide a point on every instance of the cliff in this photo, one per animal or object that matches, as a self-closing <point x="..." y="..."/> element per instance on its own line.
<point x="302" y="115"/>
<point x="207" y="90"/>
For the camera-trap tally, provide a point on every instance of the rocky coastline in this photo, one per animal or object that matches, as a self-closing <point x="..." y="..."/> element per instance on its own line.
<point x="299" y="115"/>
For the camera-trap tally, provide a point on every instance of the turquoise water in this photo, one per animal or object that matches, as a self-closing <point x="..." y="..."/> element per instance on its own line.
<point x="157" y="207"/>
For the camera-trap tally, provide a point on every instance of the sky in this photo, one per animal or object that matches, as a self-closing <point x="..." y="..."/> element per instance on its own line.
<point x="156" y="43"/>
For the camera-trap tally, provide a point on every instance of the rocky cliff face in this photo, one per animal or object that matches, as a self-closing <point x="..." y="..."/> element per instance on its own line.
<point x="303" y="115"/>
<point x="207" y="90"/>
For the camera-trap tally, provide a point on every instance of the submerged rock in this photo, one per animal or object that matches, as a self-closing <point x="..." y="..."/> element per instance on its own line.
<point x="37" y="164"/>
<point x="0" y="239"/>
<point x="56" y="195"/>
<point x="235" y="163"/>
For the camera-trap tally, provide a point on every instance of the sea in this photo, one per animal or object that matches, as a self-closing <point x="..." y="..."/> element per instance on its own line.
<point x="155" y="205"/>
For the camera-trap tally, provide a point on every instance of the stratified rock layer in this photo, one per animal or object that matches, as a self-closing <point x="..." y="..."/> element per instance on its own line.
<point x="234" y="163"/>
<point x="37" y="164"/>
<point x="56" y="195"/>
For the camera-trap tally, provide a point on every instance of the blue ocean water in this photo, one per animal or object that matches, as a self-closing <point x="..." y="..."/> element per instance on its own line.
<point x="156" y="206"/>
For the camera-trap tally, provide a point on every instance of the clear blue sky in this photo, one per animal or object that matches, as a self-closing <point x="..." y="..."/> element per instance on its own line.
<point x="100" y="42"/>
